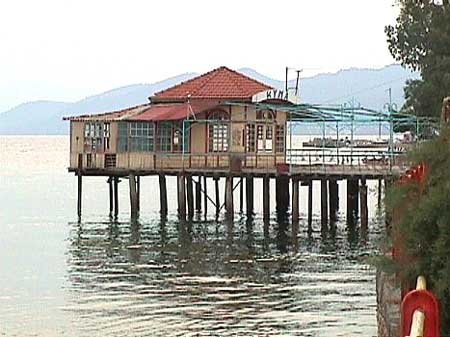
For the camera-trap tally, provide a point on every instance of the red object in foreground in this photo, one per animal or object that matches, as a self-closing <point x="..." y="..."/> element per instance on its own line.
<point x="427" y="302"/>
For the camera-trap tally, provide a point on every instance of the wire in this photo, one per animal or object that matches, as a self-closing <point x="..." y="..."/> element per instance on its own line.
<point x="367" y="89"/>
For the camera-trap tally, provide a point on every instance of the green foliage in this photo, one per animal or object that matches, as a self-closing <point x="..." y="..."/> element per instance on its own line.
<point x="421" y="219"/>
<point x="420" y="40"/>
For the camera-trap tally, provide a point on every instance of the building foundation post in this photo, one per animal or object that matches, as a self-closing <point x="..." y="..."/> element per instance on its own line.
<point x="116" y="196"/>
<point x="249" y="194"/>
<point x="241" y="194"/>
<point x="364" y="207"/>
<point x="266" y="198"/>
<point x="295" y="200"/>
<point x="111" y="195"/>
<point x="334" y="199"/>
<point x="229" y="205"/>
<point x="162" y="194"/>
<point x="205" y="194"/>
<point x="190" y="196"/>
<point x="216" y="184"/>
<point x="310" y="203"/>
<point x="181" y="197"/>
<point x="324" y="202"/>
<point x="198" y="194"/>
<point x="80" y="191"/>
<point x="133" y="195"/>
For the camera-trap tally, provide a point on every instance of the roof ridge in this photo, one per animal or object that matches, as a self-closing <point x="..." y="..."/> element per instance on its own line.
<point x="236" y="83"/>
<point x="248" y="77"/>
<point x="214" y="75"/>
<point x="196" y="78"/>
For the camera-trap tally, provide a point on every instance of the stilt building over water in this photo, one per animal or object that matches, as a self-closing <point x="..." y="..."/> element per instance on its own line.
<point x="224" y="124"/>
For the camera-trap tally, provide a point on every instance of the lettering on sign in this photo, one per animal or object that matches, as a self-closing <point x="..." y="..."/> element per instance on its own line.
<point x="276" y="94"/>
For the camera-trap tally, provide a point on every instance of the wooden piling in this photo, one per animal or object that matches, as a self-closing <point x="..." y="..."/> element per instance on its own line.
<point x="216" y="184"/>
<point x="111" y="195"/>
<point x="133" y="195"/>
<point x="138" y="193"/>
<point x="198" y="194"/>
<point x="324" y="202"/>
<point x="310" y="203"/>
<point x="355" y="183"/>
<point x="80" y="191"/>
<point x="116" y="196"/>
<point x="352" y="200"/>
<point x="282" y="194"/>
<point x="350" y="203"/>
<point x="190" y="195"/>
<point x="229" y="205"/>
<point x="266" y="198"/>
<point x="295" y="201"/>
<point x="80" y="184"/>
<point x="380" y="181"/>
<point x="364" y="207"/>
<point x="181" y="197"/>
<point x="162" y="194"/>
<point x="241" y="195"/>
<point x="333" y="198"/>
<point x="249" y="194"/>
<point x="205" y="195"/>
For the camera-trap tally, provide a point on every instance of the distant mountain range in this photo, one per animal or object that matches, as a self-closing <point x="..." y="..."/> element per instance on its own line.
<point x="366" y="86"/>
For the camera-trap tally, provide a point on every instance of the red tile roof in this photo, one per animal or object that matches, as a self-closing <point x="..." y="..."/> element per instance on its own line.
<point x="110" y="116"/>
<point x="221" y="83"/>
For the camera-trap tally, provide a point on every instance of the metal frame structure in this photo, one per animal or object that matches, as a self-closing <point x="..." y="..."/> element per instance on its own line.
<point x="342" y="118"/>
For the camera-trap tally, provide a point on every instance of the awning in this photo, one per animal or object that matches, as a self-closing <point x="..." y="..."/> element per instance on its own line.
<point x="172" y="111"/>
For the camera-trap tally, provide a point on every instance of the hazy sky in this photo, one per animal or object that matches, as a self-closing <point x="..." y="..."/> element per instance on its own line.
<point x="65" y="50"/>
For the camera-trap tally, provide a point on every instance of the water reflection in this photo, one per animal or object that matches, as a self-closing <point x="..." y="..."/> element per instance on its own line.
<point x="209" y="278"/>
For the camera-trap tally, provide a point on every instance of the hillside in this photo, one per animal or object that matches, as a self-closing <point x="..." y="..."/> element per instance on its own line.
<point x="367" y="86"/>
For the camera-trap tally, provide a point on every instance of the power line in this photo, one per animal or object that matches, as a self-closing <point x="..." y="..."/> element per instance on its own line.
<point x="333" y="100"/>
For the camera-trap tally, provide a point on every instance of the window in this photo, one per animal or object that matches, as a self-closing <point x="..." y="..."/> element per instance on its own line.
<point x="165" y="137"/>
<point x="93" y="136"/>
<point x="280" y="138"/>
<point x="218" y="134"/>
<point x="136" y="137"/>
<point x="218" y="137"/>
<point x="122" y="140"/>
<point x="266" y="115"/>
<point x="141" y="137"/>
<point x="106" y="136"/>
<point x="250" y="138"/>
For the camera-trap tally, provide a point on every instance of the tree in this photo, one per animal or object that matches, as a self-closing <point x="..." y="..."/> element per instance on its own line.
<point x="420" y="40"/>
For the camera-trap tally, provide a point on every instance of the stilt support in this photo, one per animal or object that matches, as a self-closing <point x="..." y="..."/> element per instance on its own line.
<point x="163" y="194"/>
<point x="324" y="202"/>
<point x="229" y="205"/>
<point x="295" y="201"/>
<point x="181" y="197"/>
<point x="364" y="207"/>
<point x="111" y="195"/>
<point x="138" y="193"/>
<point x="133" y="195"/>
<point x="310" y="204"/>
<point x="266" y="198"/>
<point x="216" y="185"/>
<point x="241" y="194"/>
<point x="249" y="194"/>
<point x="116" y="196"/>
<point x="282" y="195"/>
<point x="190" y="196"/>
<point x="198" y="194"/>
<point x="80" y="191"/>
<point x="334" y="199"/>
<point x="205" y="194"/>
